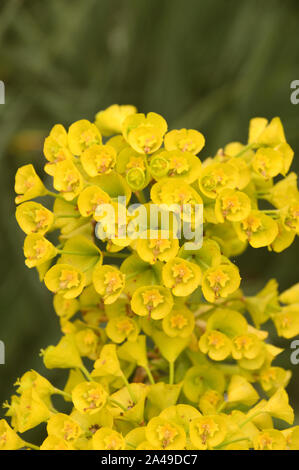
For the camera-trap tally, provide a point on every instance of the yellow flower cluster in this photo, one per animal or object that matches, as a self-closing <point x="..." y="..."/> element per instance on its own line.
<point x="176" y="361"/>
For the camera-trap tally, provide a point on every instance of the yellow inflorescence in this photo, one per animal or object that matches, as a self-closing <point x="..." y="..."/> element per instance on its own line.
<point x="176" y="362"/>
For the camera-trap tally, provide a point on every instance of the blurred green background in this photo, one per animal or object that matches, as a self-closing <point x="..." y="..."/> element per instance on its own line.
<point x="209" y="65"/>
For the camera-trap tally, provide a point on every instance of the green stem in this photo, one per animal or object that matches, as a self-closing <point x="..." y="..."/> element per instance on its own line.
<point x="171" y="373"/>
<point x="244" y="150"/>
<point x="68" y="216"/>
<point x="93" y="327"/>
<point x="140" y="196"/>
<point x="114" y="255"/>
<point x="226" y="443"/>
<point x="221" y="406"/>
<point x="131" y="275"/>
<point x="31" y="446"/>
<point x="202" y="310"/>
<point x="115" y="402"/>
<point x="201" y="324"/>
<point x="262" y="194"/>
<point x="150" y="376"/>
<point x="61" y="392"/>
<point x="133" y="398"/>
<point x="59" y="196"/>
<point x="203" y="264"/>
<point x="229" y="369"/>
<point x="131" y="445"/>
<point x="272" y="213"/>
<point x="90" y="266"/>
<point x="157" y="274"/>
<point x="75" y="253"/>
<point x="251" y="418"/>
<point x="86" y="373"/>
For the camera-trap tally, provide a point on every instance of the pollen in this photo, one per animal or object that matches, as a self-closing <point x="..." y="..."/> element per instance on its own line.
<point x="212" y="397"/>
<point x="216" y="340"/>
<point x="159" y="246"/>
<point x="59" y="155"/>
<point x="94" y="398"/>
<point x="243" y="342"/>
<point x="217" y="279"/>
<point x="3" y="439"/>
<point x="147" y="142"/>
<point x="263" y="165"/>
<point x="215" y="179"/>
<point x="29" y="182"/>
<point x="125" y="326"/>
<point x="88" y="138"/>
<point x="96" y="201"/>
<point x="104" y="162"/>
<point x="230" y="205"/>
<point x="182" y="273"/>
<point x="178" y="321"/>
<point x="136" y="162"/>
<point x="166" y="434"/>
<point x="71" y="180"/>
<point x="292" y="219"/>
<point x="69" y="431"/>
<point x="68" y="279"/>
<point x="182" y="196"/>
<point x="269" y="375"/>
<point x="187" y="145"/>
<point x="40" y="249"/>
<point x="89" y="338"/>
<point x="152" y="298"/>
<point x="286" y="321"/>
<point x="206" y="429"/>
<point x="40" y="218"/>
<point x="251" y="225"/>
<point x="113" y="282"/>
<point x="265" y="442"/>
<point x="178" y="165"/>
<point x="112" y="443"/>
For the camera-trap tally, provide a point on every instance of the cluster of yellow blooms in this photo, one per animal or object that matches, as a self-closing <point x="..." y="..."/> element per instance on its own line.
<point x="174" y="354"/>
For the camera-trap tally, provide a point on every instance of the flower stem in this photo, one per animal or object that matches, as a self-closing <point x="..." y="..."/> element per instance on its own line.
<point x="201" y="324"/>
<point x="221" y="406"/>
<point x="272" y="213"/>
<point x="114" y="255"/>
<point x="61" y="392"/>
<point x="115" y="402"/>
<point x="270" y="210"/>
<point x="150" y="376"/>
<point x="171" y="373"/>
<point x="226" y="443"/>
<point x="59" y="196"/>
<point x="203" y="264"/>
<point x="131" y="275"/>
<point x="229" y="369"/>
<point x="86" y="373"/>
<point x="68" y="216"/>
<point x="133" y="398"/>
<point x="31" y="446"/>
<point x="131" y="445"/>
<point x="90" y="266"/>
<point x="262" y="194"/>
<point x="140" y="196"/>
<point x="74" y="253"/>
<point x="244" y="150"/>
<point x="250" y="418"/>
